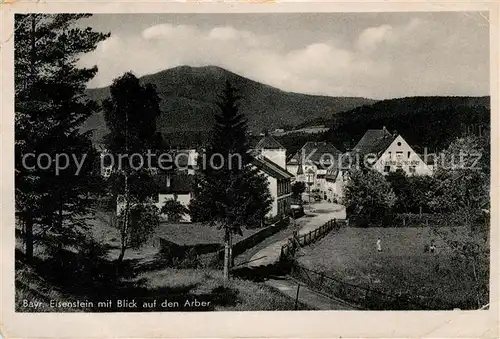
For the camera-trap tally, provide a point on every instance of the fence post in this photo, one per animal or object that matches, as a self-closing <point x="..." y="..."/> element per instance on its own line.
<point x="297" y="297"/>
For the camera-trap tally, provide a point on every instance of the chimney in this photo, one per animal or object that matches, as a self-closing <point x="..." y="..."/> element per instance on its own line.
<point x="384" y="132"/>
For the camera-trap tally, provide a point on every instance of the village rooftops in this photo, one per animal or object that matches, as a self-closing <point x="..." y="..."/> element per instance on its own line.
<point x="374" y="141"/>
<point x="268" y="142"/>
<point x="270" y="168"/>
<point x="315" y="152"/>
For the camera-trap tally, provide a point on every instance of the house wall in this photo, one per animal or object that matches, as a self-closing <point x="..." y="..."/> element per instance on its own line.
<point x="278" y="156"/>
<point x="184" y="199"/>
<point x="281" y="203"/>
<point x="292" y="169"/>
<point x="335" y="188"/>
<point x="273" y="189"/>
<point x="318" y="178"/>
<point x="400" y="155"/>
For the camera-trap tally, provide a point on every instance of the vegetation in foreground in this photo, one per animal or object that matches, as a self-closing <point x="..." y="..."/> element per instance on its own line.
<point x="403" y="266"/>
<point x="166" y="284"/>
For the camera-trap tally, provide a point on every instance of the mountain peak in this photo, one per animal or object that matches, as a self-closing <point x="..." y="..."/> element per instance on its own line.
<point x="189" y="96"/>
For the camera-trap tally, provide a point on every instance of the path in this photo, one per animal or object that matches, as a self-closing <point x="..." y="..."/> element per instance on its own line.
<point x="323" y="212"/>
<point x="308" y="297"/>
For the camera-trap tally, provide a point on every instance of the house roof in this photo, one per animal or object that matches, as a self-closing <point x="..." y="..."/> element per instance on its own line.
<point x="179" y="183"/>
<point x="270" y="168"/>
<point x="314" y="151"/>
<point x="374" y="141"/>
<point x="268" y="142"/>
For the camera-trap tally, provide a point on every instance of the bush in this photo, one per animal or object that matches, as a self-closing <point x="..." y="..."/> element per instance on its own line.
<point x="369" y="195"/>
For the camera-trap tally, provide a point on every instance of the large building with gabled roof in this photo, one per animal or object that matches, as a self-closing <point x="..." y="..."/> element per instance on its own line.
<point x="390" y="152"/>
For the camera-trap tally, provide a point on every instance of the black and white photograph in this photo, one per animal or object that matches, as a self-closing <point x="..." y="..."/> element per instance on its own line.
<point x="202" y="162"/>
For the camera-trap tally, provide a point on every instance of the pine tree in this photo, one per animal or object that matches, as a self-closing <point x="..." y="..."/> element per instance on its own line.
<point x="229" y="191"/>
<point x="50" y="106"/>
<point x="131" y="115"/>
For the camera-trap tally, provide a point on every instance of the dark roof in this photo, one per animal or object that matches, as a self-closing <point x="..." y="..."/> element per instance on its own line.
<point x="270" y="168"/>
<point x="374" y="141"/>
<point x="179" y="183"/>
<point x="316" y="150"/>
<point x="268" y="142"/>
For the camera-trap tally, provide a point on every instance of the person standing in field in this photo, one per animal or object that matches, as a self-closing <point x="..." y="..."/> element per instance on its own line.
<point x="379" y="245"/>
<point x="433" y="247"/>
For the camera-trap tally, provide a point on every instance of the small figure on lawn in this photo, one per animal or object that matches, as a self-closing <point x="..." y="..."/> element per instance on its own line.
<point x="379" y="245"/>
<point x="433" y="247"/>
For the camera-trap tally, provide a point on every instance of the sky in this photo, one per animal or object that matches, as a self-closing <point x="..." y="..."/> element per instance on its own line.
<point x="374" y="55"/>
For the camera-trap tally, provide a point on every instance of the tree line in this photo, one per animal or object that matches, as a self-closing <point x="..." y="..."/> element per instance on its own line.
<point x="50" y="106"/>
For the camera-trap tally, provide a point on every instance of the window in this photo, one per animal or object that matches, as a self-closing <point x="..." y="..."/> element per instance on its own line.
<point x="399" y="155"/>
<point x="409" y="154"/>
<point x="387" y="169"/>
<point x="399" y="143"/>
<point x="413" y="169"/>
<point x="390" y="155"/>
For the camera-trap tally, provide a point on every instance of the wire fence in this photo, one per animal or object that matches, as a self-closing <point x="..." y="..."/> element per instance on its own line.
<point x="361" y="296"/>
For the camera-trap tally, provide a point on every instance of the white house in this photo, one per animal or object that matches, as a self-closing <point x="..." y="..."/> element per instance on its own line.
<point x="176" y="186"/>
<point x="336" y="178"/>
<point x="311" y="163"/>
<point x="279" y="185"/>
<point x="390" y="152"/>
<point x="270" y="159"/>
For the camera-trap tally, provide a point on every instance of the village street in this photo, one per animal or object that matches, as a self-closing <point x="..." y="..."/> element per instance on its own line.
<point x="322" y="212"/>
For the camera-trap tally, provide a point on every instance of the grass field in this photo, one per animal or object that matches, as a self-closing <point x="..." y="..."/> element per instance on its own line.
<point x="351" y="255"/>
<point x="145" y="276"/>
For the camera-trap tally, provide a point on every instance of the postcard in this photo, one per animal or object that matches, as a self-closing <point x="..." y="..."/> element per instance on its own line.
<point x="249" y="170"/>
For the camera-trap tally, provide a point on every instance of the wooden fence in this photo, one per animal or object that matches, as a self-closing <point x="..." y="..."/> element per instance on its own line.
<point x="297" y="240"/>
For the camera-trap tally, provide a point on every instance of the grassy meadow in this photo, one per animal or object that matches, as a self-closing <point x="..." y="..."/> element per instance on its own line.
<point x="351" y="255"/>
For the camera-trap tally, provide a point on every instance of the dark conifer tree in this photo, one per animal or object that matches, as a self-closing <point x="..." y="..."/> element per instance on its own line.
<point x="50" y="107"/>
<point x="229" y="191"/>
